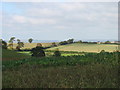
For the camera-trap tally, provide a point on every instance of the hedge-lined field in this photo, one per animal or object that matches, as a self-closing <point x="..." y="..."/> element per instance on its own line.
<point x="87" y="47"/>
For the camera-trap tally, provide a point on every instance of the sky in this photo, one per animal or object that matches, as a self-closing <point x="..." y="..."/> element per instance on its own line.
<point x="60" y="20"/>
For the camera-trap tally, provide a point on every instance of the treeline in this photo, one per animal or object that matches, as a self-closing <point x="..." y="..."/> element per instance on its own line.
<point x="98" y="42"/>
<point x="66" y="42"/>
<point x="20" y="44"/>
<point x="70" y="41"/>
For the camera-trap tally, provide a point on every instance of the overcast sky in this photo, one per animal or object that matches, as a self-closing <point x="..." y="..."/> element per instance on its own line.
<point x="60" y="21"/>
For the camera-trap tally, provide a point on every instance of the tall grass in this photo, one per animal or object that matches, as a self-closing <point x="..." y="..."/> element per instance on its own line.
<point x="93" y="70"/>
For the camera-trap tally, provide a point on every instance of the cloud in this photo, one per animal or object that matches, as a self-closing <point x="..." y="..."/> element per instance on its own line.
<point x="61" y="18"/>
<point x="23" y="19"/>
<point x="60" y="27"/>
<point x="43" y="12"/>
<point x="19" y="19"/>
<point x="41" y="21"/>
<point x="72" y="6"/>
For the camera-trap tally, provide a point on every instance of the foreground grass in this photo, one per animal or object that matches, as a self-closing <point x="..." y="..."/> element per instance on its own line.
<point x="89" y="71"/>
<point x="79" y="76"/>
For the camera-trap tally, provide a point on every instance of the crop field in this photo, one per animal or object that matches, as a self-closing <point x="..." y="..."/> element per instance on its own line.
<point x="87" y="47"/>
<point x="32" y="45"/>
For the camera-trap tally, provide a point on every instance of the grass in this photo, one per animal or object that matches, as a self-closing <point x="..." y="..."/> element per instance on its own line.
<point x="90" y="71"/>
<point x="12" y="55"/>
<point x="79" y="76"/>
<point x="51" y="53"/>
<point x="87" y="47"/>
<point x="86" y="70"/>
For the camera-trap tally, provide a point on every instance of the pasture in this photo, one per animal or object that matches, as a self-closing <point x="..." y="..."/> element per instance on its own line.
<point x="12" y="55"/>
<point x="78" y="67"/>
<point x="80" y="47"/>
<point x="32" y="45"/>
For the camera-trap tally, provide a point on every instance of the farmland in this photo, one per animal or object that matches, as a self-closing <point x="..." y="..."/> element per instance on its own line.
<point x="87" y="47"/>
<point x="71" y="70"/>
<point x="78" y="47"/>
<point x="32" y="45"/>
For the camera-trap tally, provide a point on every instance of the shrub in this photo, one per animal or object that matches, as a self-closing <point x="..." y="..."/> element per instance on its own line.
<point x="38" y="52"/>
<point x="4" y="44"/>
<point x="57" y="53"/>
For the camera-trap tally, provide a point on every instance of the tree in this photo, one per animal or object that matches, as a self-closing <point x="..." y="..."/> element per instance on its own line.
<point x="4" y="45"/>
<point x="80" y="41"/>
<point x="107" y="42"/>
<point x="63" y="43"/>
<point x="20" y="45"/>
<point x="53" y="44"/>
<point x="18" y="40"/>
<point x="57" y="53"/>
<point x="11" y="42"/>
<point x="30" y="40"/>
<point x="38" y="51"/>
<point x="70" y="41"/>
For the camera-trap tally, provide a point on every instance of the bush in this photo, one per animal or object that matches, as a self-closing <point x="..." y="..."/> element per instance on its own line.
<point x="38" y="52"/>
<point x="63" y="43"/>
<point x="57" y="53"/>
<point x="4" y="45"/>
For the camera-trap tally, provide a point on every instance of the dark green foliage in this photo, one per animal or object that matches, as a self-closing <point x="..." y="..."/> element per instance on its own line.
<point x="63" y="43"/>
<point x="10" y="45"/>
<point x="66" y="42"/>
<point x="38" y="52"/>
<point x="4" y="45"/>
<point x="107" y="42"/>
<point x="18" y="40"/>
<point x="70" y="41"/>
<point x="57" y="53"/>
<point x="20" y="45"/>
<point x="30" y="40"/>
<point x="12" y="39"/>
<point x="80" y="41"/>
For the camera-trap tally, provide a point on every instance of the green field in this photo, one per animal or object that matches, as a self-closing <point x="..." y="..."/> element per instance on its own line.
<point x="87" y="47"/>
<point x="12" y="55"/>
<point x="73" y="69"/>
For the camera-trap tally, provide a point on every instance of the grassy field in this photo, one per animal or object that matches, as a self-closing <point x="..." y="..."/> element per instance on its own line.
<point x="12" y="55"/>
<point x="80" y="47"/>
<point x="74" y="69"/>
<point x="32" y="45"/>
<point x="87" y="47"/>
<point x="51" y="53"/>
<point x="89" y="71"/>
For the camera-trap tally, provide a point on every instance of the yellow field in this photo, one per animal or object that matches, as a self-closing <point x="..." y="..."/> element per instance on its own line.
<point x="31" y="45"/>
<point x="75" y="47"/>
<point x="87" y="47"/>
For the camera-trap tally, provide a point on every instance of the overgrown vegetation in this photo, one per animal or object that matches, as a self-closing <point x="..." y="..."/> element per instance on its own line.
<point x="60" y="69"/>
